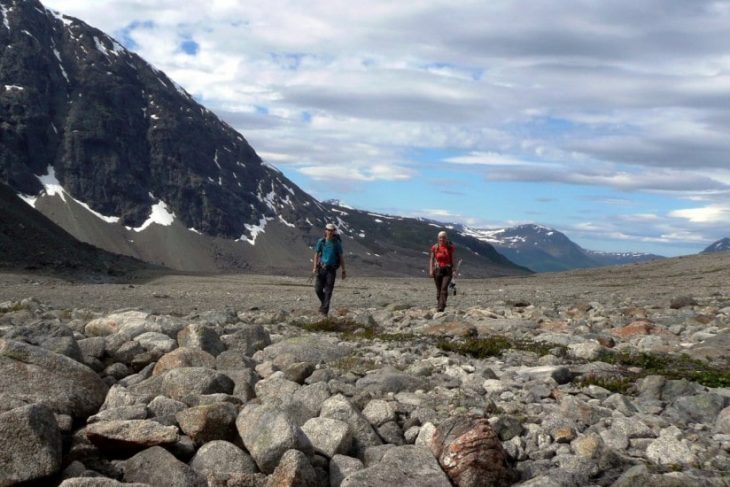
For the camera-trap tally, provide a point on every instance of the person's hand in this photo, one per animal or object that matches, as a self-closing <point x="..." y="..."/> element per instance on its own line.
<point x="344" y="274"/>
<point x="431" y="273"/>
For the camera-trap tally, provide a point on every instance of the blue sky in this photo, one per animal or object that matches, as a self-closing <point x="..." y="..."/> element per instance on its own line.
<point x="605" y="120"/>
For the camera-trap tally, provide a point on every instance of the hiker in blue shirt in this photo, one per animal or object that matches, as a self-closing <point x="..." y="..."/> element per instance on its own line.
<point x="328" y="256"/>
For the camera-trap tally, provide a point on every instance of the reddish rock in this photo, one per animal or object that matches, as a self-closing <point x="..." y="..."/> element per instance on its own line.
<point x="640" y="327"/>
<point x="469" y="451"/>
<point x="554" y="325"/>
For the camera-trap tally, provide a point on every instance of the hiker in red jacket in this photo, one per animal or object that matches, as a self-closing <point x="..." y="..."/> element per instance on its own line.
<point x="441" y="268"/>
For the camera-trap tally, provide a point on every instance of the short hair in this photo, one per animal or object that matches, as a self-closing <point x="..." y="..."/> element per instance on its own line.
<point x="442" y="234"/>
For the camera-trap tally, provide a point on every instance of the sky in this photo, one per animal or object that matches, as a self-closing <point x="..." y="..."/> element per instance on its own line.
<point x="606" y="120"/>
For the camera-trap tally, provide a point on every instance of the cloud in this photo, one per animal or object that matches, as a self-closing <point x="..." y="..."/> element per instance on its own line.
<point x="707" y="214"/>
<point x="488" y="159"/>
<point x="684" y="182"/>
<point x="376" y="172"/>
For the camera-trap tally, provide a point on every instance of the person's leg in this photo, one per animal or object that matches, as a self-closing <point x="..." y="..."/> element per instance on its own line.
<point x="319" y="285"/>
<point x="437" y="279"/>
<point x="329" y="287"/>
<point x="444" y="291"/>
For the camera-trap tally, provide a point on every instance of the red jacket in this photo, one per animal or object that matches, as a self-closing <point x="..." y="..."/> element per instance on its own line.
<point x="444" y="254"/>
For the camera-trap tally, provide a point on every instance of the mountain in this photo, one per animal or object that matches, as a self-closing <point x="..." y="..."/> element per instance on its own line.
<point x="30" y="241"/>
<point x="722" y="245"/>
<point x="118" y="155"/>
<point x="544" y="249"/>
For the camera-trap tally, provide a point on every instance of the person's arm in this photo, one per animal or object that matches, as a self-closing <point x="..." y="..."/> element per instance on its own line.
<point x="430" y="262"/>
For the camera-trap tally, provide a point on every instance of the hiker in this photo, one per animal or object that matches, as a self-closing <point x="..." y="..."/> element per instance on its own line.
<point x="328" y="256"/>
<point x="440" y="267"/>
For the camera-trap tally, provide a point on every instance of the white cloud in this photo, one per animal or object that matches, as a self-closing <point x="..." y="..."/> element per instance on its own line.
<point x="376" y="172"/>
<point x="707" y="214"/>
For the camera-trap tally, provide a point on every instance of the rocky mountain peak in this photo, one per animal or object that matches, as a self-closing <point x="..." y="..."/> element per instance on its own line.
<point x="121" y="137"/>
<point x="722" y="245"/>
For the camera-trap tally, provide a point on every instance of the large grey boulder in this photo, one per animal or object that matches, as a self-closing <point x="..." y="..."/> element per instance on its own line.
<point x="202" y="337"/>
<point x="328" y="436"/>
<point x="341" y="466"/>
<point x="98" y="482"/>
<point x="130" y="435"/>
<point x="184" y="357"/>
<point x="404" y="466"/>
<point x="222" y="457"/>
<point x="314" y="349"/>
<point x="248" y="340"/>
<point x="185" y="381"/>
<point x="157" y="466"/>
<point x="294" y="470"/>
<point x="388" y="380"/>
<point x="31" y="444"/>
<point x="129" y="323"/>
<point x="363" y="434"/>
<point x="267" y="433"/>
<point x="34" y="374"/>
<point x="208" y="422"/>
<point x="49" y="334"/>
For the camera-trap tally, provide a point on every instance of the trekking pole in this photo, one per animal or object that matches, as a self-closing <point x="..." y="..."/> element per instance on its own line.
<point x="452" y="284"/>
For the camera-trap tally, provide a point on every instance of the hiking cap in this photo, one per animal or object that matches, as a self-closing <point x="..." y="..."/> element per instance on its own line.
<point x="330" y="226"/>
<point x="442" y="234"/>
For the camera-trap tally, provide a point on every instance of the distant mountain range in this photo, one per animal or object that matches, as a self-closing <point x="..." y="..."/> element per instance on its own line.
<point x="722" y="245"/>
<point x="544" y="249"/>
<point x="119" y="156"/>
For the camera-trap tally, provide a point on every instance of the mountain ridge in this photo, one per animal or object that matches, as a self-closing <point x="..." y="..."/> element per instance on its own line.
<point x="544" y="249"/>
<point x="722" y="245"/>
<point x="121" y="157"/>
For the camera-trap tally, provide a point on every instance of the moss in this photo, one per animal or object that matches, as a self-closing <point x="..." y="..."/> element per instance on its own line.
<point x="355" y="364"/>
<point x="495" y="345"/>
<point x="353" y="331"/>
<point x="622" y="385"/>
<point x="672" y="367"/>
<point x="15" y="307"/>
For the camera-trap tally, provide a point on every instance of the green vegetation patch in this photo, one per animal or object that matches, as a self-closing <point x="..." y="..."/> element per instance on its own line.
<point x="355" y="364"/>
<point x="353" y="331"/>
<point x="672" y="367"/>
<point x="495" y="345"/>
<point x="620" y="384"/>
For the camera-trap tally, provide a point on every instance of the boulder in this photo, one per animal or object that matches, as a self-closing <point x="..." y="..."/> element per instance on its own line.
<point x="404" y="466"/>
<point x="31" y="444"/>
<point x="267" y="433"/>
<point x="471" y="453"/>
<point x="34" y="374"/>
<point x="157" y="466"/>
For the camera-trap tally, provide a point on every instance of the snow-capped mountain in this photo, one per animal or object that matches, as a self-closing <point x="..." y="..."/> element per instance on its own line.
<point x="119" y="156"/>
<point x="544" y="249"/>
<point x="722" y="245"/>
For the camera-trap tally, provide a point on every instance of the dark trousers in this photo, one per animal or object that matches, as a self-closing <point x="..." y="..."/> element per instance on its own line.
<point x="324" y="284"/>
<point x="442" y="278"/>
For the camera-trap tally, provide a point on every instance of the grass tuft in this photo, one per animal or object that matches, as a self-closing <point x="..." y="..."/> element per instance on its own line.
<point x="495" y="345"/>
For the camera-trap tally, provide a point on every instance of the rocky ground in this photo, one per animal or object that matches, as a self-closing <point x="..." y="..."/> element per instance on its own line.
<point x="607" y="377"/>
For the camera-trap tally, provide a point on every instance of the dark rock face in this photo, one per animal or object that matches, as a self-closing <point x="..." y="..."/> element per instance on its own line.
<point x="121" y="135"/>
<point x="471" y="453"/>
